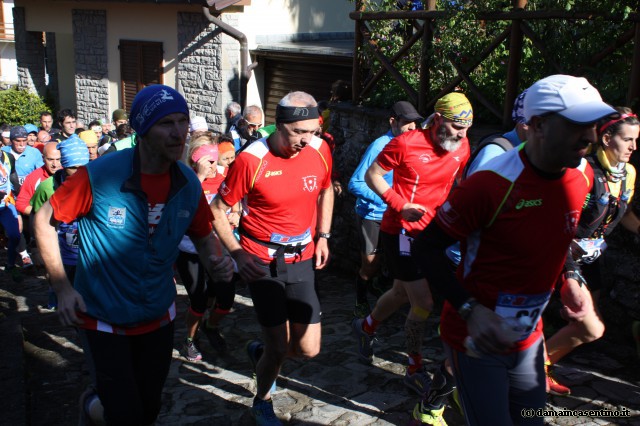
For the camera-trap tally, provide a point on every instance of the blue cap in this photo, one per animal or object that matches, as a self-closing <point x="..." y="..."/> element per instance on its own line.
<point x="30" y="128"/>
<point x="17" y="132"/>
<point x="73" y="152"/>
<point x="152" y="103"/>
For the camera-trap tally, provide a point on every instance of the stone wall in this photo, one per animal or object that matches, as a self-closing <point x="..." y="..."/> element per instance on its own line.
<point x="199" y="72"/>
<point x="354" y="128"/>
<point x="29" y="55"/>
<point x="90" y="55"/>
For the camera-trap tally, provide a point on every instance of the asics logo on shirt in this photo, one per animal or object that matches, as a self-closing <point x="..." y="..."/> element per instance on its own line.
<point x="425" y="158"/>
<point x="273" y="173"/>
<point x="528" y="203"/>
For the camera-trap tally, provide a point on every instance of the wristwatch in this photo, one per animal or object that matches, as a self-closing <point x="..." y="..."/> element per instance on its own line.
<point x="467" y="307"/>
<point x="575" y="275"/>
<point x="326" y="235"/>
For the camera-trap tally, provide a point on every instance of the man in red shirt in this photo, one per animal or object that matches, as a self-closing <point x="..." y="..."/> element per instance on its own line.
<point x="425" y="164"/>
<point x="51" y="158"/>
<point x="285" y="182"/>
<point x="515" y="218"/>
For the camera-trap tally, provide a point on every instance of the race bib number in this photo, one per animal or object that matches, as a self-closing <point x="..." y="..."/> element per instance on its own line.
<point x="304" y="238"/>
<point x="72" y="239"/>
<point x="404" y="242"/>
<point x="522" y="311"/>
<point x="592" y="247"/>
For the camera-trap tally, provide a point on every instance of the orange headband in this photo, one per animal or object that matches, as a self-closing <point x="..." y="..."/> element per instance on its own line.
<point x="225" y="147"/>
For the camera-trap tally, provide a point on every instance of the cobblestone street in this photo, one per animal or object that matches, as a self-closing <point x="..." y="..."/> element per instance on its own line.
<point x="43" y="373"/>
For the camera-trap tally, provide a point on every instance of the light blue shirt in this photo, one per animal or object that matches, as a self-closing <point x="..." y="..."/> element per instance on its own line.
<point x="27" y="162"/>
<point x="368" y="204"/>
<point x="486" y="154"/>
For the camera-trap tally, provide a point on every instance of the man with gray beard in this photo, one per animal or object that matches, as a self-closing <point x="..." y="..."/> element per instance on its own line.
<point x="425" y="163"/>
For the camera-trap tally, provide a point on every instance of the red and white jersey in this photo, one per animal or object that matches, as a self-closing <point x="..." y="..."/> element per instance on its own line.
<point x="515" y="227"/>
<point x="279" y="195"/>
<point x="211" y="185"/>
<point x="423" y="173"/>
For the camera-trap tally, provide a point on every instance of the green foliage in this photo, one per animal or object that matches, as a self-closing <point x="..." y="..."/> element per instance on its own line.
<point x="19" y="106"/>
<point x="568" y="48"/>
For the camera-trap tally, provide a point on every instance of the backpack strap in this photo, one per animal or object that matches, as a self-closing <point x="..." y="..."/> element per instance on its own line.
<point x="492" y="139"/>
<point x="13" y="175"/>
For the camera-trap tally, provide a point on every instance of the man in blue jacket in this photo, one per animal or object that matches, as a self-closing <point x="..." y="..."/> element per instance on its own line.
<point x="132" y="207"/>
<point x="370" y="207"/>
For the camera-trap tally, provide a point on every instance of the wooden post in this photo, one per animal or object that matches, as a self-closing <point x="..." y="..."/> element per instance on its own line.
<point x="513" y="69"/>
<point x="356" y="73"/>
<point x="425" y="65"/>
<point x="633" y="95"/>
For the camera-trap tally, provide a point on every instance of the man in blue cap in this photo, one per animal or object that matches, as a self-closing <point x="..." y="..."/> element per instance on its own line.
<point x="27" y="159"/>
<point x="132" y="207"/>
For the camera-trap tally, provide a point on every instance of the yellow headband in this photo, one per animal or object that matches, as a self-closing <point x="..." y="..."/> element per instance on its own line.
<point x="456" y="107"/>
<point x="89" y="137"/>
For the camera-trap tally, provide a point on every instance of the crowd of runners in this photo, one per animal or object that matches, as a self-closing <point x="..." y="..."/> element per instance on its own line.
<point x="120" y="208"/>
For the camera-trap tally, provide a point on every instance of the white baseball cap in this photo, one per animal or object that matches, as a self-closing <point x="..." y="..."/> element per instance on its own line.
<point x="198" y="124"/>
<point x="574" y="98"/>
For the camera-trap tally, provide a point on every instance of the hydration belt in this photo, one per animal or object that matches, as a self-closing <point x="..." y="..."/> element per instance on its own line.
<point x="280" y="267"/>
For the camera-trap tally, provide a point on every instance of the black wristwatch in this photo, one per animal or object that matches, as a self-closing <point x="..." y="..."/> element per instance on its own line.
<point x="466" y="308"/>
<point x="575" y="275"/>
<point x="326" y="235"/>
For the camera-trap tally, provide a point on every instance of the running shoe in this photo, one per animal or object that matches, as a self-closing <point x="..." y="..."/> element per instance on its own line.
<point x="262" y="412"/>
<point x="216" y="340"/>
<point x="365" y="341"/>
<point x="26" y="261"/>
<point x="190" y="350"/>
<point x="254" y="351"/>
<point x="553" y="387"/>
<point x="362" y="310"/>
<point x="419" y="381"/>
<point x="91" y="411"/>
<point x="425" y="416"/>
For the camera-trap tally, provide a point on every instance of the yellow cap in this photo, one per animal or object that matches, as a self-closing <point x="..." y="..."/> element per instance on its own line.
<point x="89" y="137"/>
<point x="456" y="107"/>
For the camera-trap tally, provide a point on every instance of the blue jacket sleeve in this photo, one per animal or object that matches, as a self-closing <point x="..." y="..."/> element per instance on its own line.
<point x="357" y="184"/>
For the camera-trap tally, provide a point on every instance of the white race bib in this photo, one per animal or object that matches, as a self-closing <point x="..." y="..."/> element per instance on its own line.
<point x="522" y="311"/>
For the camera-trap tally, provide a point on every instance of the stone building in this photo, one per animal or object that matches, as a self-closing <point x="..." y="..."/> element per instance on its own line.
<point x="94" y="56"/>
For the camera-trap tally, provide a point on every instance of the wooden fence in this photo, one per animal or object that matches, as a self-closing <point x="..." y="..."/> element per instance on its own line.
<point x="423" y="22"/>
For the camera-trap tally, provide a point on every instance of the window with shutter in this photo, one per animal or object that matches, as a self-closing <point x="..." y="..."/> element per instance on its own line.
<point x="140" y="66"/>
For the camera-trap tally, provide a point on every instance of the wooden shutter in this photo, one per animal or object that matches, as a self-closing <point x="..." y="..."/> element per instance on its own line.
<point x="140" y="66"/>
<point x="311" y="75"/>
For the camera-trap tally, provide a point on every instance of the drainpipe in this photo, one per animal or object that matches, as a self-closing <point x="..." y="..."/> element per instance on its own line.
<point x="245" y="69"/>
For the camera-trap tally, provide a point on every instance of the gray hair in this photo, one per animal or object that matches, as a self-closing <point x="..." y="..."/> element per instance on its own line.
<point x="234" y="108"/>
<point x="252" y="110"/>
<point x="298" y="99"/>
